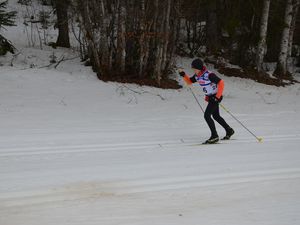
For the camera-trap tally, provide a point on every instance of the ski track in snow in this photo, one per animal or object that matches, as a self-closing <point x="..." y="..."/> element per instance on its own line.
<point x="108" y="162"/>
<point x="78" y="151"/>
<point x="59" y="149"/>
<point x="94" y="190"/>
<point x="144" y="167"/>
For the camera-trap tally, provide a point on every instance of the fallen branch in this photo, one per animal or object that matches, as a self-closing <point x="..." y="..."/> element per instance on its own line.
<point x="13" y="58"/>
<point x="63" y="59"/>
<point x="141" y="92"/>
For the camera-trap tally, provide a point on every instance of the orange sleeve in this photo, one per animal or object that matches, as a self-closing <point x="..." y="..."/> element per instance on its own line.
<point x="187" y="80"/>
<point x="220" y="89"/>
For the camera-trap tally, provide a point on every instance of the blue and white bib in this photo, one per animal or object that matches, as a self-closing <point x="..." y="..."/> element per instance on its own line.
<point x="208" y="87"/>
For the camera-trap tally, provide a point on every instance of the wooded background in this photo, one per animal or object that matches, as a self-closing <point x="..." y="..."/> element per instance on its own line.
<point x="139" y="39"/>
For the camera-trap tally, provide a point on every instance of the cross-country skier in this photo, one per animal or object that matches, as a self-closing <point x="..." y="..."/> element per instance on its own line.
<point x="213" y="88"/>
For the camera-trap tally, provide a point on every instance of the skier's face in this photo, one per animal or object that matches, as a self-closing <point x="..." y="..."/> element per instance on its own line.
<point x="197" y="71"/>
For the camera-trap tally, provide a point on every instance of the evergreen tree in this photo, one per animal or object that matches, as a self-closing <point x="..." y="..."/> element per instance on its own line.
<point x="6" y="19"/>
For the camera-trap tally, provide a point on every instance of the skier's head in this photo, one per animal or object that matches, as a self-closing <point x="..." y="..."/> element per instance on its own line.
<point x="197" y="64"/>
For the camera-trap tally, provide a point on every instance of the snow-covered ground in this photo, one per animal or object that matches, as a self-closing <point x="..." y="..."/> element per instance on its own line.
<point x="75" y="150"/>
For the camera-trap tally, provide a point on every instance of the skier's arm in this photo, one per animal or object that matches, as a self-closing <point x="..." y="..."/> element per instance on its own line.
<point x="188" y="80"/>
<point x="220" y="83"/>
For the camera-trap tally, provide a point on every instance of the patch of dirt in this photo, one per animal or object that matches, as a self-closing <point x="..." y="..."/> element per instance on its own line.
<point x="261" y="77"/>
<point x="164" y="83"/>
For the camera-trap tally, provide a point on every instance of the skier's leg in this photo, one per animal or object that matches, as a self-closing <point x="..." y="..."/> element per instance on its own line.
<point x="222" y="122"/>
<point x="211" y="107"/>
<point x="216" y="115"/>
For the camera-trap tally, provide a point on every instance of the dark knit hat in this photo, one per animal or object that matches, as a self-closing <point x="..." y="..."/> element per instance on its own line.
<point x="197" y="64"/>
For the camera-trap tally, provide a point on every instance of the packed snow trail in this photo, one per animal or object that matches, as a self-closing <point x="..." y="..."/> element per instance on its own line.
<point x="74" y="150"/>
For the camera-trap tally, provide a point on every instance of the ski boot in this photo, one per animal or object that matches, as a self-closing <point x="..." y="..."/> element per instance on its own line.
<point x="228" y="135"/>
<point x="212" y="140"/>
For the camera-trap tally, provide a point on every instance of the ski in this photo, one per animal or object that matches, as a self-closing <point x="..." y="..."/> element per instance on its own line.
<point x="225" y="141"/>
<point x="204" y="143"/>
<point x="198" y="144"/>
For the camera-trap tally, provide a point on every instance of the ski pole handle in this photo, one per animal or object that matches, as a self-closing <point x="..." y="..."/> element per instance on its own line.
<point x="191" y="90"/>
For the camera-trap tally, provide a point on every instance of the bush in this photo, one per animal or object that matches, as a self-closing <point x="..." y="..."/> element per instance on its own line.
<point x="5" y="46"/>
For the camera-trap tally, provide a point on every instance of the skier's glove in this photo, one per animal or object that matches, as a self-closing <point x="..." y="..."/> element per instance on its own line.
<point x="214" y="99"/>
<point x="182" y="73"/>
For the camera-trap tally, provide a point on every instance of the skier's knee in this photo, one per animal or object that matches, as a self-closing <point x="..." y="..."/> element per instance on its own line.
<point x="207" y="116"/>
<point x="216" y="117"/>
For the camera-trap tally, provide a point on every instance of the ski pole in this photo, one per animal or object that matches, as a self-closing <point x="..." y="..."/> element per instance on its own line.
<point x="259" y="139"/>
<point x="196" y="99"/>
<point x="180" y="69"/>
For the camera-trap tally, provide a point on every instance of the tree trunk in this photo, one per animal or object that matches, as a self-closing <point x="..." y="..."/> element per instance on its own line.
<point x="157" y="43"/>
<point x="63" y="39"/>
<point x="166" y="35"/>
<point x="293" y="26"/>
<point x="261" y="49"/>
<point x="103" y="43"/>
<point x="160" y="27"/>
<point x="188" y="34"/>
<point x="281" y="68"/>
<point x="212" y="27"/>
<point x="142" y="38"/>
<point x="111" y="35"/>
<point x="174" y="34"/>
<point x="90" y="37"/>
<point x="121" y="45"/>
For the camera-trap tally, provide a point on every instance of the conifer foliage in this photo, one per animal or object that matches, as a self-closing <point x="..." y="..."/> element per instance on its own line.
<point x="6" y="19"/>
